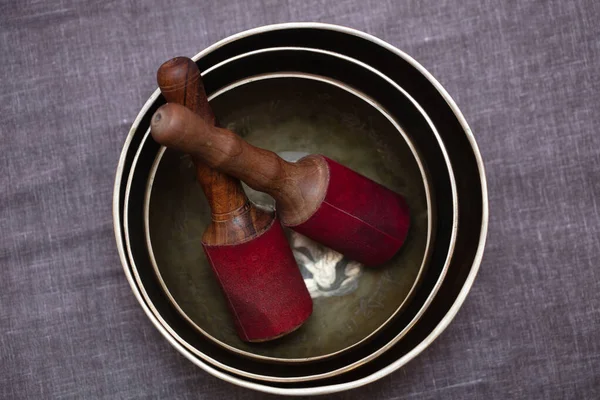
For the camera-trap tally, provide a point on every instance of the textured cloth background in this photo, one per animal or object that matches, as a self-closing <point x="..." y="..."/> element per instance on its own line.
<point x="73" y="76"/>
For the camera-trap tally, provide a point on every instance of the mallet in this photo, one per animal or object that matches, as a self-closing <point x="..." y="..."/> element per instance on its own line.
<point x="245" y="245"/>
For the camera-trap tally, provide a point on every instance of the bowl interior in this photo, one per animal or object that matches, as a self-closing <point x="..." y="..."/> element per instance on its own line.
<point x="411" y="118"/>
<point x="294" y="116"/>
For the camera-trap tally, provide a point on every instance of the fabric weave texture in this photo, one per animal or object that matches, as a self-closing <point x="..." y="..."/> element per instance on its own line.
<point x="74" y="75"/>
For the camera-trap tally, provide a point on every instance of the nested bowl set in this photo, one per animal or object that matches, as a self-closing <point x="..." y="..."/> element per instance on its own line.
<point x="299" y="89"/>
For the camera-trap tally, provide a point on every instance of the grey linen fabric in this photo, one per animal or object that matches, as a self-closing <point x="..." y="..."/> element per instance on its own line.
<point x="73" y="76"/>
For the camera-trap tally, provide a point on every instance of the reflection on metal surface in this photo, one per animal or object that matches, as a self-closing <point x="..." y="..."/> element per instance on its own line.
<point x="326" y="272"/>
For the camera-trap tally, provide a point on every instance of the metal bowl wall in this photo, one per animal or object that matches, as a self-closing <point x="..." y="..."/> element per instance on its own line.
<point x="462" y="150"/>
<point x="416" y="126"/>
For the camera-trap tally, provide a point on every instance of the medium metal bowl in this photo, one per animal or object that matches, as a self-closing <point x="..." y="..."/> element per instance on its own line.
<point x="317" y="63"/>
<point x="293" y="115"/>
<point x="462" y="150"/>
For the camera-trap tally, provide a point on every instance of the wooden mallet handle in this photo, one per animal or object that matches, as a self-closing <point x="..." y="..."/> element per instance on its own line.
<point x="298" y="188"/>
<point x="180" y="82"/>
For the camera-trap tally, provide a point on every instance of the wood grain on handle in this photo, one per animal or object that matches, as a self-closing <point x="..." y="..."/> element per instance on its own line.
<point x="298" y="188"/>
<point x="234" y="218"/>
<point x="180" y="82"/>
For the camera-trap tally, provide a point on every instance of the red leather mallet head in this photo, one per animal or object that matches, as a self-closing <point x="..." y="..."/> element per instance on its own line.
<point x="245" y="245"/>
<point x="315" y="196"/>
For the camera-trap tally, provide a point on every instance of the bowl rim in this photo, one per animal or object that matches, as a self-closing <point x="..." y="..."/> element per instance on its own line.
<point x="444" y="322"/>
<point x="366" y="99"/>
<point x="391" y="342"/>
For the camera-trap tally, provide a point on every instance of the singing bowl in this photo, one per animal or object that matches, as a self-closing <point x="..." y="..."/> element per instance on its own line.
<point x="293" y="115"/>
<point x="415" y="123"/>
<point x="471" y="186"/>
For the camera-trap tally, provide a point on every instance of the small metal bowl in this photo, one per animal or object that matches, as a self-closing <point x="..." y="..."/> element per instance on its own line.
<point x="294" y="115"/>
<point x="317" y="63"/>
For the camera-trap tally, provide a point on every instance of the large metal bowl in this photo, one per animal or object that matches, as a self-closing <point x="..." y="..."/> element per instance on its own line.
<point x="462" y="151"/>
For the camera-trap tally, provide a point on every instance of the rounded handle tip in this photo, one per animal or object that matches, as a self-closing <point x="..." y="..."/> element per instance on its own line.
<point x="177" y="127"/>
<point x="168" y="128"/>
<point x="176" y="73"/>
